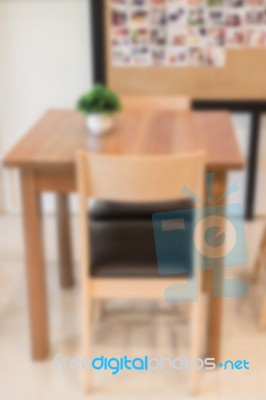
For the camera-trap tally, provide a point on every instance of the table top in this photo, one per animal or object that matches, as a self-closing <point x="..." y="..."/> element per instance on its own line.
<point x="54" y="140"/>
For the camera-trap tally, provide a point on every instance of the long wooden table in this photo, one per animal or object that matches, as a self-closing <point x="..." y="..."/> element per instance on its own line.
<point x="46" y="160"/>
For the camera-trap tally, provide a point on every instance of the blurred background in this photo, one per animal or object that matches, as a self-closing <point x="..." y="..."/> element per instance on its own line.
<point x="46" y="61"/>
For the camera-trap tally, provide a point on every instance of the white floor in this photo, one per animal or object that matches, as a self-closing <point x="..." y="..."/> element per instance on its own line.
<point x="130" y="329"/>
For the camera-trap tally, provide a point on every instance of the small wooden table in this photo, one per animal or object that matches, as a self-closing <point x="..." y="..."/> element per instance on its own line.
<point x="46" y="160"/>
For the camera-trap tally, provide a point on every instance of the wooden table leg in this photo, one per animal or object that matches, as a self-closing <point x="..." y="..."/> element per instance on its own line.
<point x="35" y="266"/>
<point x="214" y="281"/>
<point x="64" y="242"/>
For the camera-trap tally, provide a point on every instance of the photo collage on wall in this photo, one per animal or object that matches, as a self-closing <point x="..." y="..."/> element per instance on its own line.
<point x="182" y="33"/>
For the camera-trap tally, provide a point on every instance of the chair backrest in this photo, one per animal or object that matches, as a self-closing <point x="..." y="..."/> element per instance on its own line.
<point x="139" y="179"/>
<point x="156" y="103"/>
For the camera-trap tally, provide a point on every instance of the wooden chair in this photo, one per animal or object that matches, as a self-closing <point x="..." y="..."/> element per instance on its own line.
<point x="156" y="103"/>
<point x="134" y="179"/>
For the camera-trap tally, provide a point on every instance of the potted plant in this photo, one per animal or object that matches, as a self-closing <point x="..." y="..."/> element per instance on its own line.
<point x="99" y="104"/>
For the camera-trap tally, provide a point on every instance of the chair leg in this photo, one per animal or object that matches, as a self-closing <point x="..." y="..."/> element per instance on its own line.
<point x="257" y="268"/>
<point x="260" y="259"/>
<point x="263" y="315"/>
<point x="87" y="344"/>
<point x="196" y="316"/>
<point x="187" y="311"/>
<point x="100" y="309"/>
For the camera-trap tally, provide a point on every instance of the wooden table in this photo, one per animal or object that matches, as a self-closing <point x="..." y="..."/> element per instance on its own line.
<point x="46" y="160"/>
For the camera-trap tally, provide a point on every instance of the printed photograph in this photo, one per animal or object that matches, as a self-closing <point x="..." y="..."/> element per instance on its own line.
<point x="196" y="3"/>
<point x="158" y="37"/>
<point x="141" y="56"/>
<point x="215" y="3"/>
<point x="234" y="18"/>
<point x="196" y="16"/>
<point x="177" y="17"/>
<point x="172" y="4"/>
<point x="197" y="56"/>
<point x="158" y="17"/>
<point x="196" y="37"/>
<point x="158" y="3"/>
<point x="158" y="56"/>
<point x="216" y="36"/>
<point x="215" y="17"/>
<point x="119" y="17"/>
<point x="235" y="3"/>
<point x="140" y="36"/>
<point x="235" y="37"/>
<point x="121" y="56"/>
<point x="139" y="3"/>
<point x="255" y="37"/>
<point x="139" y="18"/>
<point x="120" y="37"/>
<point x="177" y="37"/>
<point x="119" y="2"/>
<point x="254" y="16"/>
<point x="215" y="56"/>
<point x="255" y="2"/>
<point x="177" y="56"/>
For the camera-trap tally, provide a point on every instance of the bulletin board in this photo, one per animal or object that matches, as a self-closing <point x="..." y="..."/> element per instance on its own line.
<point x="224" y="41"/>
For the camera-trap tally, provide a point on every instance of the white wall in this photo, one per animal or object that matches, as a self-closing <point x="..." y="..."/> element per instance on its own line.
<point x="44" y="62"/>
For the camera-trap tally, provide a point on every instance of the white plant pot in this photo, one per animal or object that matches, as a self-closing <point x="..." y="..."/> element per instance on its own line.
<point x="99" y="124"/>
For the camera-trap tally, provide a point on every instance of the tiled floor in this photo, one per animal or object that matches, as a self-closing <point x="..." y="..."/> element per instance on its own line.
<point x="132" y="329"/>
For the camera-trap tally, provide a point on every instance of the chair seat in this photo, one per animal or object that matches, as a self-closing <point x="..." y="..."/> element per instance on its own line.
<point x="122" y="240"/>
<point x="108" y="210"/>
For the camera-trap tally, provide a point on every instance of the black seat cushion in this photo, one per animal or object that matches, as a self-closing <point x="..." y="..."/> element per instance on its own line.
<point x="108" y="210"/>
<point x="122" y="239"/>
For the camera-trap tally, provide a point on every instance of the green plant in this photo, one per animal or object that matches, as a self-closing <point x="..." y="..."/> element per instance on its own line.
<point x="99" y="100"/>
